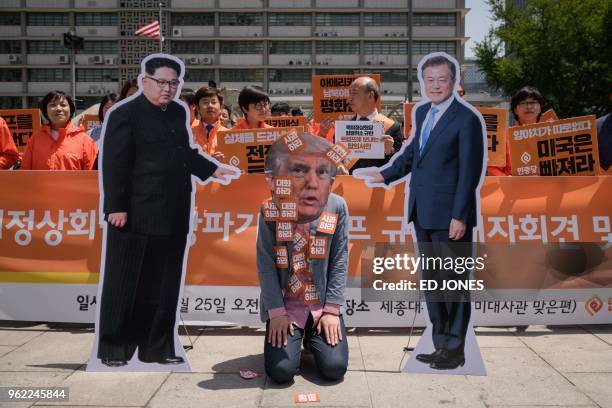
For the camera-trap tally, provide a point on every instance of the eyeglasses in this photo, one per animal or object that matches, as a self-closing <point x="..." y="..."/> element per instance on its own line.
<point x="161" y="83"/>
<point x="529" y="103"/>
<point x="261" y="105"/>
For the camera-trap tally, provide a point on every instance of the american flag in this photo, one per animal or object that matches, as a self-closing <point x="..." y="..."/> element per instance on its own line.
<point x="150" y="30"/>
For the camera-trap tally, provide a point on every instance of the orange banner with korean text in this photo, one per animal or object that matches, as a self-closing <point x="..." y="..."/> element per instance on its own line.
<point x="22" y="123"/>
<point x="566" y="147"/>
<point x="50" y="232"/>
<point x="247" y="148"/>
<point x="330" y="95"/>
<point x="286" y="121"/>
<point x="90" y="121"/>
<point x="496" y="120"/>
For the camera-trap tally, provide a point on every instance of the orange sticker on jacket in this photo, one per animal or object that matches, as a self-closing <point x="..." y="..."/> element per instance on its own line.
<point x="299" y="263"/>
<point x="270" y="211"/>
<point x="288" y="210"/>
<point x="281" y="257"/>
<point x="284" y="231"/>
<point x="337" y="153"/>
<point x="311" y="296"/>
<point x="299" y="242"/>
<point x="295" y="286"/>
<point x="318" y="247"/>
<point x="327" y="223"/>
<point x="293" y="142"/>
<point x="282" y="187"/>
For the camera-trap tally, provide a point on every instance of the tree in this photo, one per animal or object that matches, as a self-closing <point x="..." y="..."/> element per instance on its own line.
<point x="562" y="47"/>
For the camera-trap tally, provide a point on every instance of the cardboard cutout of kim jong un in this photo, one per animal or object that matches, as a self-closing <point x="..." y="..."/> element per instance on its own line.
<point x="444" y="160"/>
<point x="147" y="161"/>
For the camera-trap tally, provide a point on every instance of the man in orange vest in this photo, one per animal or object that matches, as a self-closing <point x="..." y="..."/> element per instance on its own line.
<point x="363" y="96"/>
<point x="208" y="102"/>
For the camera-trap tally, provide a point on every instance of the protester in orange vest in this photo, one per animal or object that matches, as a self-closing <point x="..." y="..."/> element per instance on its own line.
<point x="9" y="155"/>
<point x="208" y="102"/>
<point x="255" y="105"/>
<point x="59" y="145"/>
<point x="526" y="106"/>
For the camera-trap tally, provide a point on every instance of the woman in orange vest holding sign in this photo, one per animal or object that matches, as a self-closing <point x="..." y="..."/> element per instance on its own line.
<point x="255" y="105"/>
<point x="208" y="102"/>
<point x="59" y="145"/>
<point x="526" y="106"/>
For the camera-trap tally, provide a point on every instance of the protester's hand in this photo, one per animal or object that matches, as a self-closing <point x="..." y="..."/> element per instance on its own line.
<point x="218" y="155"/>
<point x="324" y="126"/>
<point x="388" y="144"/>
<point x="277" y="332"/>
<point x="225" y="174"/>
<point x="330" y="324"/>
<point x="118" y="219"/>
<point x="456" y="230"/>
<point x="369" y="175"/>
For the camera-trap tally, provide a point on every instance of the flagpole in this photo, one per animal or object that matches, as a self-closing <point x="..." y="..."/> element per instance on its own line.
<point x="161" y="31"/>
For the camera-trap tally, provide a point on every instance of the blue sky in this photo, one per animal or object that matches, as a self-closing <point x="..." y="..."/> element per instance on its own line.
<point x="477" y="23"/>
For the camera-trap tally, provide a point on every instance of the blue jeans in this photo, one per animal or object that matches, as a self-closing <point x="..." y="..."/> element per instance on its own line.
<point x="283" y="363"/>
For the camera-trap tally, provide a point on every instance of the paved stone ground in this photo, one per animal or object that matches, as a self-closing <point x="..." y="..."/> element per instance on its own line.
<point x="530" y="367"/>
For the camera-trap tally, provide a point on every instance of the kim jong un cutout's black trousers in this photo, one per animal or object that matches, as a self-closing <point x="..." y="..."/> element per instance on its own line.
<point x="142" y="279"/>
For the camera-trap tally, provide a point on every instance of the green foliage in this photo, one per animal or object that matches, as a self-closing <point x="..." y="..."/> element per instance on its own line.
<point x="562" y="47"/>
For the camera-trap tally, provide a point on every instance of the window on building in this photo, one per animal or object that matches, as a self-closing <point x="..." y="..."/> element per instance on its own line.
<point x="192" y="47"/>
<point x="337" y="47"/>
<point x="97" y="75"/>
<point x="241" y="47"/>
<point x="433" y="19"/>
<point x="241" y="75"/>
<point x="199" y="75"/>
<point x="385" y="19"/>
<point x="46" y="47"/>
<point x="47" y="19"/>
<point x="240" y="19"/>
<point x="323" y="71"/>
<point x="385" y="47"/>
<point x="100" y="47"/>
<point x="290" y="47"/>
<point x="391" y="75"/>
<point x="10" y="102"/>
<point x="289" y="75"/>
<point x="426" y="47"/>
<point x="10" y="75"/>
<point x="10" y="47"/>
<point x="96" y="19"/>
<point x="337" y="19"/>
<point x="49" y="75"/>
<point x="10" y="19"/>
<point x="193" y="19"/>
<point x="289" y="19"/>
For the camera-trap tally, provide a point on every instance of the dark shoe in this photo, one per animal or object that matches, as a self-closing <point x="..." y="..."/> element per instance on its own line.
<point x="448" y="361"/>
<point x="113" y="363"/>
<point x="165" y="360"/>
<point x="428" y="358"/>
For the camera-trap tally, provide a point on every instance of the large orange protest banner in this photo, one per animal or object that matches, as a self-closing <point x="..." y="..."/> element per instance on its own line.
<point x="566" y="147"/>
<point x="50" y="232"/>
<point x="22" y="124"/>
<point x="330" y="95"/>
<point x="496" y="120"/>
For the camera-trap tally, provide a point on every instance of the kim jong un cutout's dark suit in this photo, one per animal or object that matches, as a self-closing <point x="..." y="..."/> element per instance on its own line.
<point x="147" y="163"/>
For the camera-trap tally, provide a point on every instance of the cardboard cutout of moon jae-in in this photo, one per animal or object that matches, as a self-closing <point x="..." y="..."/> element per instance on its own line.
<point x="144" y="253"/>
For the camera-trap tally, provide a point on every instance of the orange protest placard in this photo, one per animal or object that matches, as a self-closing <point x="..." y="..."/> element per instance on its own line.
<point x="408" y="106"/>
<point x="330" y="95"/>
<point x="287" y="121"/>
<point x="548" y="116"/>
<point x="247" y="148"/>
<point x="566" y="147"/>
<point x="22" y="124"/>
<point x="496" y="120"/>
<point x="90" y="121"/>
